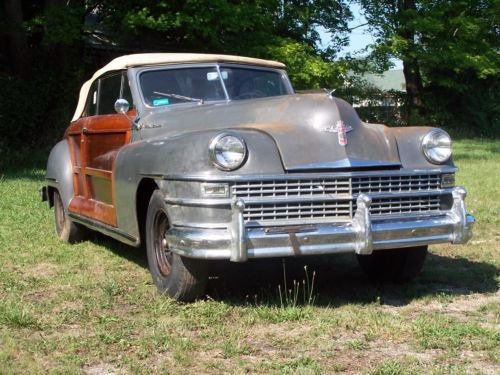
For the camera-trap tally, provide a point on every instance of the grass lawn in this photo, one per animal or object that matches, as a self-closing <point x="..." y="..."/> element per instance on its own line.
<point x="92" y="308"/>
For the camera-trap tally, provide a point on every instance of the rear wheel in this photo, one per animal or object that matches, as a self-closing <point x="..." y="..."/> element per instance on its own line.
<point x="66" y="229"/>
<point x="397" y="265"/>
<point x="180" y="278"/>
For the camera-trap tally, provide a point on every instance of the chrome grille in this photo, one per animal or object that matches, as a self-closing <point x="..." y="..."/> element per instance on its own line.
<point x="335" y="197"/>
<point x="336" y="186"/>
<point x="395" y="206"/>
<point x="395" y="184"/>
<point x="291" y="188"/>
<point x="298" y="210"/>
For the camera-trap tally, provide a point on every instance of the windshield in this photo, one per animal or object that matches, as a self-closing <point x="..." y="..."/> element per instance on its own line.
<point x="172" y="86"/>
<point x="246" y="83"/>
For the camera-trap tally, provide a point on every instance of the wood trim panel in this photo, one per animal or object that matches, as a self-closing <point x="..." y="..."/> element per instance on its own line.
<point x="96" y="210"/>
<point x="98" y="172"/>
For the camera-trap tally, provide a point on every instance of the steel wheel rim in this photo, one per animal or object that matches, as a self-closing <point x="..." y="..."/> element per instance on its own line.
<point x="162" y="253"/>
<point x="60" y="215"/>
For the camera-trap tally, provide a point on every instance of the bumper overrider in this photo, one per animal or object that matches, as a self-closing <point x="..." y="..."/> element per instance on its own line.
<point x="362" y="235"/>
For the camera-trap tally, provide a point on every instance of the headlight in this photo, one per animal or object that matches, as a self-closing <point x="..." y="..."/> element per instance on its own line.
<point x="227" y="151"/>
<point x="436" y="146"/>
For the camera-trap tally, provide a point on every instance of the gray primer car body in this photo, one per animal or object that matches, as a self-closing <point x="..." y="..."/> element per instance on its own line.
<point x="290" y="141"/>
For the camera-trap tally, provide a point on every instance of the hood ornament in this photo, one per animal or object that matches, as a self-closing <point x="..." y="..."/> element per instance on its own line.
<point x="341" y="129"/>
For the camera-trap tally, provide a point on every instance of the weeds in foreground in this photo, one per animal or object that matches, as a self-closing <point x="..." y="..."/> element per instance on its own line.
<point x="290" y="297"/>
<point x="295" y="303"/>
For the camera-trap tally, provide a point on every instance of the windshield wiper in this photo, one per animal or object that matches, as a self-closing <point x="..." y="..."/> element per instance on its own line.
<point x="177" y="96"/>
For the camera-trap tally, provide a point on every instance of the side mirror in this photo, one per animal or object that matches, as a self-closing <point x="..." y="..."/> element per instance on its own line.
<point x="122" y="106"/>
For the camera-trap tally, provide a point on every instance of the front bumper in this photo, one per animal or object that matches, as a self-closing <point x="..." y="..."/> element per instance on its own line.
<point x="362" y="235"/>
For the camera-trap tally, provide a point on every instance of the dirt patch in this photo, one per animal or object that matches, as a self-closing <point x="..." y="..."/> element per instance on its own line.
<point x="42" y="271"/>
<point x="459" y="307"/>
<point x="100" y="369"/>
<point x="48" y="293"/>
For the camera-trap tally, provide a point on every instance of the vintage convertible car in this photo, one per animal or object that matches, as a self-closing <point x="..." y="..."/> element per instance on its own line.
<point x="214" y="157"/>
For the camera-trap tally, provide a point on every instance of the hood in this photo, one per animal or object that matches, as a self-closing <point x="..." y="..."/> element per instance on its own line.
<point x="304" y="128"/>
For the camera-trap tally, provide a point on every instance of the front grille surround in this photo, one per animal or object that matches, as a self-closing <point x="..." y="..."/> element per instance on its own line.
<point x="333" y="198"/>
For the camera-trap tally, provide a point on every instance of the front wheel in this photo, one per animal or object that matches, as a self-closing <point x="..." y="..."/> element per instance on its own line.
<point x="397" y="265"/>
<point x="180" y="278"/>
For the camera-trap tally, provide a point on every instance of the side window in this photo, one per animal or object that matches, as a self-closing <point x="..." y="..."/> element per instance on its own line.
<point x="109" y="91"/>
<point x="91" y="104"/>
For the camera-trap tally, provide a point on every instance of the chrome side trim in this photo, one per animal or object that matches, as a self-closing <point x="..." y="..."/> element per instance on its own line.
<point x="206" y="202"/>
<point x="108" y="230"/>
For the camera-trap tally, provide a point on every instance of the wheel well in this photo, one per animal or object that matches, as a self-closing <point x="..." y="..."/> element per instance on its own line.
<point x="50" y="195"/>
<point x="144" y="191"/>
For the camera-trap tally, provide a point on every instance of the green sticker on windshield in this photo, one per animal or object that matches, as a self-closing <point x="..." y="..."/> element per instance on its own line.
<point x="162" y="101"/>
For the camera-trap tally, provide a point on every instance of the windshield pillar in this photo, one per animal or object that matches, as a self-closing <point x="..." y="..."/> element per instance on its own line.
<point x="223" y="84"/>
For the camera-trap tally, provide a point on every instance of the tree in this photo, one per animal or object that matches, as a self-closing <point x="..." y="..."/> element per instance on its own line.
<point x="446" y="46"/>
<point x="45" y="60"/>
<point x="277" y="29"/>
<point x="17" y="41"/>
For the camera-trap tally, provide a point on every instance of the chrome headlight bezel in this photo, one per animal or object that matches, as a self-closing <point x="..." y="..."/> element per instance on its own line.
<point x="214" y="150"/>
<point x="430" y="143"/>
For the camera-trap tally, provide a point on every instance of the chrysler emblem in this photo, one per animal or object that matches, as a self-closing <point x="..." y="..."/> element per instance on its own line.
<point x="341" y="129"/>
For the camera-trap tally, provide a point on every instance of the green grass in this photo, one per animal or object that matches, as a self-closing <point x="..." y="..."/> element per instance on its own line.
<point x="92" y="308"/>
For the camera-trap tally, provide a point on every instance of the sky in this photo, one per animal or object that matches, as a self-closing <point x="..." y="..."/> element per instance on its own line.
<point x="359" y="37"/>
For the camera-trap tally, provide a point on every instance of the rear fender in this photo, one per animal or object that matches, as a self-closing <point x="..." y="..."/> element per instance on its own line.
<point x="59" y="173"/>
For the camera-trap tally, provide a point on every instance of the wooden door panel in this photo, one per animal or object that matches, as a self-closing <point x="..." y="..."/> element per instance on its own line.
<point x="94" y="143"/>
<point x="103" y="147"/>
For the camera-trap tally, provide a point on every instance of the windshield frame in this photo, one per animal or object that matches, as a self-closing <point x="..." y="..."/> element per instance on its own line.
<point x="217" y="66"/>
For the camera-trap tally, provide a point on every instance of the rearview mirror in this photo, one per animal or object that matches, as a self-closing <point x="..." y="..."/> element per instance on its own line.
<point x="213" y="76"/>
<point x="122" y="106"/>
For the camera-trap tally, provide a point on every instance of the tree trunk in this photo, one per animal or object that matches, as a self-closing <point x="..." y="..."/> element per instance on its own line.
<point x="411" y="68"/>
<point x="17" y="41"/>
<point x="413" y="81"/>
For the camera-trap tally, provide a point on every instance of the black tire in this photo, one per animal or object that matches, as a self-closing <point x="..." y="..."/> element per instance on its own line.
<point x="396" y="265"/>
<point x="181" y="278"/>
<point x="66" y="229"/>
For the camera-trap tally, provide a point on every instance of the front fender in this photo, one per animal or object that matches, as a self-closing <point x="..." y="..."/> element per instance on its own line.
<point x="172" y="157"/>
<point x="409" y="140"/>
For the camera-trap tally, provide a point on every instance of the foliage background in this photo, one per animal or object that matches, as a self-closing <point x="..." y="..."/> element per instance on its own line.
<point x="450" y="51"/>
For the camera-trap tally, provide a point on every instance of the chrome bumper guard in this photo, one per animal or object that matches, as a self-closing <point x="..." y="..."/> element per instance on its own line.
<point x="362" y="235"/>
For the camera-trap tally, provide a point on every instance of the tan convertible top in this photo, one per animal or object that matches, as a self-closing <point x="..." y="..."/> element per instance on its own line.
<point x="145" y="59"/>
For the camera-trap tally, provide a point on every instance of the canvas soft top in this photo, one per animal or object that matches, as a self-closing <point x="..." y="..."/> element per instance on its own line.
<point x="151" y="59"/>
